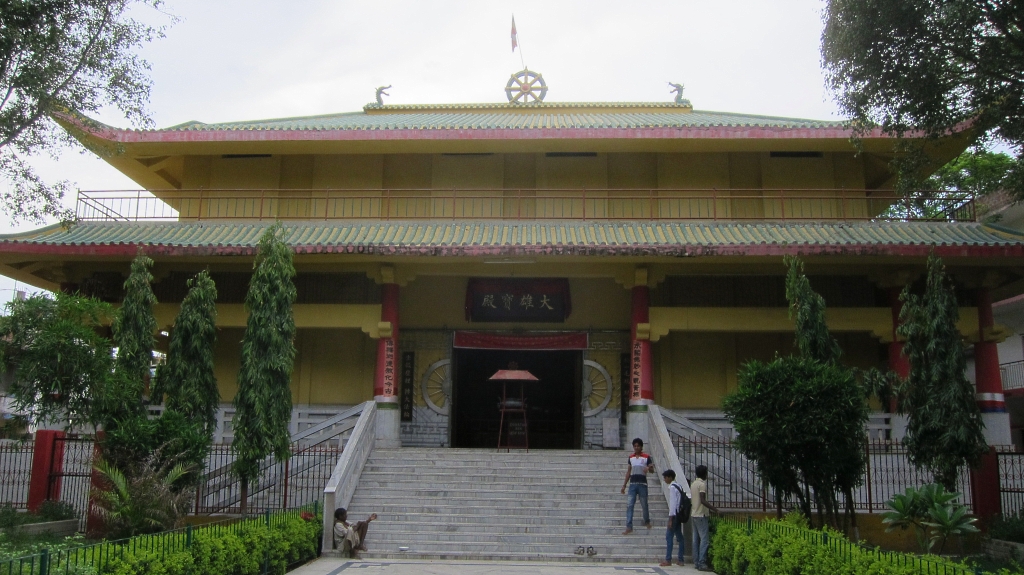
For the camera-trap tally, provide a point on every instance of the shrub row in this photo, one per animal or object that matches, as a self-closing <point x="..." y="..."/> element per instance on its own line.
<point x="778" y="548"/>
<point x="236" y="550"/>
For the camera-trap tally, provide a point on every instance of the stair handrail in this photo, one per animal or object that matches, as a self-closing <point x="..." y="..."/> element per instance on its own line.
<point x="662" y="450"/>
<point x="688" y="423"/>
<point x="343" y="481"/>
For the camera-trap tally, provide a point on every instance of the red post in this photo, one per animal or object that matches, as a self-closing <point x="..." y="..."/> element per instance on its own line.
<point x="985" y="487"/>
<point x="384" y="388"/>
<point x="986" y="360"/>
<point x="641" y="392"/>
<point x="47" y="460"/>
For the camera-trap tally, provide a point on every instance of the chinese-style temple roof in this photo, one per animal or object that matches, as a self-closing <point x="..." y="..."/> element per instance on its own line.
<point x="458" y="238"/>
<point x="467" y="121"/>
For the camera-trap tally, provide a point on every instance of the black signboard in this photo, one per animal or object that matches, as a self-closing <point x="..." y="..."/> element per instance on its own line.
<point x="518" y="300"/>
<point x="408" y="384"/>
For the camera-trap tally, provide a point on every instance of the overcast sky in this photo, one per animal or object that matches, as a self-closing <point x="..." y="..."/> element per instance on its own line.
<point x="230" y="60"/>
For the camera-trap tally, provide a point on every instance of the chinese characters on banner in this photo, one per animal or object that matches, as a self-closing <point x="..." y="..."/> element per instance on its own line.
<point x="408" y="386"/>
<point x="526" y="299"/>
<point x="636" y="373"/>
<point x="389" y="367"/>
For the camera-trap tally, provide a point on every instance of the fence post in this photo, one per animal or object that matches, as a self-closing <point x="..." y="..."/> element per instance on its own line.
<point x="985" y="488"/>
<point x="44" y="562"/>
<point x="750" y="524"/>
<point x="188" y="536"/>
<point x="44" y="465"/>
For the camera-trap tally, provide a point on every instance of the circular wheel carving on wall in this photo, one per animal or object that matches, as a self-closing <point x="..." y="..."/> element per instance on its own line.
<point x="436" y="386"/>
<point x="597" y="388"/>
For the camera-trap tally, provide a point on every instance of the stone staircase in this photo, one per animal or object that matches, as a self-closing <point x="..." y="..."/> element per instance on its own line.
<point x="483" y="505"/>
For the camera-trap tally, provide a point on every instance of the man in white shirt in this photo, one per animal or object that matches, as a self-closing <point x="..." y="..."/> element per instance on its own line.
<point x="701" y="509"/>
<point x="675" y="522"/>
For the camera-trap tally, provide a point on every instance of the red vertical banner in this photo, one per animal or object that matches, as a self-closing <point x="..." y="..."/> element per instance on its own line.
<point x="384" y="388"/>
<point x="641" y="384"/>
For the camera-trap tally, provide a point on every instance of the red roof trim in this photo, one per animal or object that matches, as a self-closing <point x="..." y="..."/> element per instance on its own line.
<point x="130" y="250"/>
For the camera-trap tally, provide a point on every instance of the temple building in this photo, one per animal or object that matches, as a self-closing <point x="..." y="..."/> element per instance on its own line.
<point x="622" y="253"/>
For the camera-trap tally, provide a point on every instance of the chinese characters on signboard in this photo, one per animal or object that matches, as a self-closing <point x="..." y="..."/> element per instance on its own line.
<point x="406" y="397"/>
<point x="389" y="367"/>
<point x="637" y="371"/>
<point x="525" y="300"/>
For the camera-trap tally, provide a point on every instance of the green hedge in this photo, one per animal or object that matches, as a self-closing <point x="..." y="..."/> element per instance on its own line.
<point x="249" y="548"/>
<point x="780" y="548"/>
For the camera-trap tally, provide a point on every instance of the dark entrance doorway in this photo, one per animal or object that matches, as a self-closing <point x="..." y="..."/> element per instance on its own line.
<point x="553" y="403"/>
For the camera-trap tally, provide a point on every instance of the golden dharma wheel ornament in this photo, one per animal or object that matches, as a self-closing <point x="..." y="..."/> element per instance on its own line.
<point x="525" y="86"/>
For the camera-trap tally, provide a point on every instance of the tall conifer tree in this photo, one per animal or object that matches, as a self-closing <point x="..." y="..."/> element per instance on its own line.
<point x="263" y="404"/>
<point x="187" y="378"/>
<point x="944" y="428"/>
<point x="135" y="334"/>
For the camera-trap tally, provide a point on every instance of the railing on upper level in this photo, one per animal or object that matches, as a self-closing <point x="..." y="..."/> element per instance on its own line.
<point x="526" y="204"/>
<point x="1013" y="375"/>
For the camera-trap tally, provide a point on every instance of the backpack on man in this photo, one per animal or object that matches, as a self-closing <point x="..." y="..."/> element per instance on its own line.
<point x="685" y="505"/>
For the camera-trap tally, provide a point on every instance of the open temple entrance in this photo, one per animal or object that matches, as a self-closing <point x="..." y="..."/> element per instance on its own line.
<point x="553" y="402"/>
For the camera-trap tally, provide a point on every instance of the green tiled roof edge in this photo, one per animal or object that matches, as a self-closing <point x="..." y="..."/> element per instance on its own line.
<point x="497" y="233"/>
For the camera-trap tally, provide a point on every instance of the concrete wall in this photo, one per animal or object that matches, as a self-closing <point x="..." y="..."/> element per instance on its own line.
<point x="332" y="366"/>
<point x="437" y="177"/>
<point x="694" y="370"/>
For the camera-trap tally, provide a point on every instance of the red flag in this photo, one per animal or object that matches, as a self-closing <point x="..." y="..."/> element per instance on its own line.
<point x="515" y="41"/>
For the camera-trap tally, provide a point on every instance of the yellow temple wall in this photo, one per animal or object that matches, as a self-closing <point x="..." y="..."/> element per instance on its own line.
<point x="695" y="370"/>
<point x="720" y="170"/>
<point x="474" y="178"/>
<point x="332" y="366"/>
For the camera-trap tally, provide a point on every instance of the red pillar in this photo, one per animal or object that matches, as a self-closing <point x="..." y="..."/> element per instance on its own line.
<point x="986" y="360"/>
<point x="641" y="390"/>
<point x="985" y="477"/>
<point x="898" y="363"/>
<point x="985" y="496"/>
<point x="47" y="459"/>
<point x="385" y="388"/>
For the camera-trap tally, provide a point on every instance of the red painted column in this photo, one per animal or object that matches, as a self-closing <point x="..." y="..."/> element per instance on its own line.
<point x="385" y="387"/>
<point x="986" y="360"/>
<point x="898" y="363"/>
<point x="641" y="386"/>
<point x="47" y="459"/>
<point x="985" y="477"/>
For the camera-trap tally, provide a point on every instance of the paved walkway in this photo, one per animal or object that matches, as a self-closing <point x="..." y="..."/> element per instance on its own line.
<point x="335" y="566"/>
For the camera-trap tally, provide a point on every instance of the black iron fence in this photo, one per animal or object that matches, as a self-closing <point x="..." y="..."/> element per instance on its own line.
<point x="15" y="472"/>
<point x="734" y="482"/>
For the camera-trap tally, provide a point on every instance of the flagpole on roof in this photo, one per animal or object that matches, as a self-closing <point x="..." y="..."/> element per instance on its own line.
<point x="515" y="42"/>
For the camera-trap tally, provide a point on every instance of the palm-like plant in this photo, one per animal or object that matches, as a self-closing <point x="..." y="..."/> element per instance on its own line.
<point x="146" y="500"/>
<point x="930" y="506"/>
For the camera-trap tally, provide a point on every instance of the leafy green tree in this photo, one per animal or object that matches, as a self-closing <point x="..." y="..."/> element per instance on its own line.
<point x="807" y="308"/>
<point x="62" y="364"/>
<point x="944" y="427"/>
<point x="58" y="57"/>
<point x="263" y="404"/>
<point x="929" y="68"/>
<point x="187" y="378"/>
<point x="977" y="171"/>
<point x="801" y="419"/>
<point x="134" y="331"/>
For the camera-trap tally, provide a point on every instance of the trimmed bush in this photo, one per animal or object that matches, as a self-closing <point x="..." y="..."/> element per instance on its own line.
<point x="792" y="551"/>
<point x="232" y="550"/>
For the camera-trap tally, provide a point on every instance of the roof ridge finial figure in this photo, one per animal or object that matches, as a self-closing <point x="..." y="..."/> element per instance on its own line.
<point x="381" y="92"/>
<point x="677" y="89"/>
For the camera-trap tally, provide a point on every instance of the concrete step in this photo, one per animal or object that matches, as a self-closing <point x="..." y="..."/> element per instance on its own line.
<point x="632" y="558"/>
<point x="479" y="504"/>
